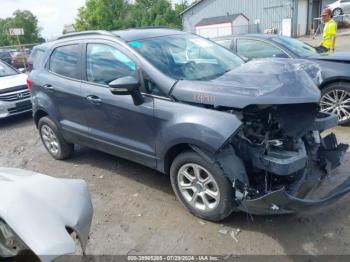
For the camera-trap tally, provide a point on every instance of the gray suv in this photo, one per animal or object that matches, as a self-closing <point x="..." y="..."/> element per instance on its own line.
<point x="232" y="136"/>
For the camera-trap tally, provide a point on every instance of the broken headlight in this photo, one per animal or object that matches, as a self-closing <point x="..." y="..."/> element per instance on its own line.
<point x="10" y="243"/>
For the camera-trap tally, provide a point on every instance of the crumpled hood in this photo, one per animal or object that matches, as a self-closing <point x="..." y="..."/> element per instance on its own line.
<point x="38" y="209"/>
<point x="259" y="82"/>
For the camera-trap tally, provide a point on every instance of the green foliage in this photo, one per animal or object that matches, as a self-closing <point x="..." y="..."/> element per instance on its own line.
<point x="20" y="19"/>
<point x="120" y="14"/>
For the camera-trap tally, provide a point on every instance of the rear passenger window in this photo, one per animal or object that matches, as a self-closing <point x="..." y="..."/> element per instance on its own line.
<point x="64" y="61"/>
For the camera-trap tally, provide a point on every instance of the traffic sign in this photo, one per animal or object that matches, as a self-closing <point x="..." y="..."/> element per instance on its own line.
<point x="16" y="31"/>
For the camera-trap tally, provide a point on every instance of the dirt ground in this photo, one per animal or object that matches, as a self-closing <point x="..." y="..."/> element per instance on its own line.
<point x="343" y="40"/>
<point x="135" y="211"/>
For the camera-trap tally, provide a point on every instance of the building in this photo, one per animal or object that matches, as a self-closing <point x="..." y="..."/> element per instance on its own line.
<point x="288" y="17"/>
<point x="222" y="25"/>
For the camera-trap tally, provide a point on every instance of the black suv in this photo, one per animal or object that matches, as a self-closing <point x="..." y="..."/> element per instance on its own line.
<point x="232" y="136"/>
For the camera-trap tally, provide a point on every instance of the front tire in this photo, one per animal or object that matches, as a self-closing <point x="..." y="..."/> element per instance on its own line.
<point x="53" y="141"/>
<point x="201" y="187"/>
<point x="336" y="99"/>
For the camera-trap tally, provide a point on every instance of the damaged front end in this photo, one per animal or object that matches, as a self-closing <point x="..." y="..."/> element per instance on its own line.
<point x="41" y="214"/>
<point x="287" y="158"/>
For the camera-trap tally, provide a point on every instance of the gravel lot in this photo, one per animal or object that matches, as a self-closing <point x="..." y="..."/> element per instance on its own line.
<point x="136" y="211"/>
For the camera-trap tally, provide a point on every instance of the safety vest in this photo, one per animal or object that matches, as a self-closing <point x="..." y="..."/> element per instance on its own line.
<point x="330" y="29"/>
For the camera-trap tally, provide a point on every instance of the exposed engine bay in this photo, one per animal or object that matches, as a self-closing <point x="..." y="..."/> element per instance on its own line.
<point x="285" y="157"/>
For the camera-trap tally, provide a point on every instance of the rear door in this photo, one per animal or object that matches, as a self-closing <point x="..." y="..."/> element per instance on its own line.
<point x="62" y="85"/>
<point x="116" y="125"/>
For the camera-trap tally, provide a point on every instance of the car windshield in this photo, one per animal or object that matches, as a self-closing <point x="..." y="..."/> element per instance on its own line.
<point x="299" y="48"/>
<point x="6" y="70"/>
<point x="187" y="57"/>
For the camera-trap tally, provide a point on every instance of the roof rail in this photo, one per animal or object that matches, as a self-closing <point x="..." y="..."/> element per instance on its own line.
<point x="83" y="33"/>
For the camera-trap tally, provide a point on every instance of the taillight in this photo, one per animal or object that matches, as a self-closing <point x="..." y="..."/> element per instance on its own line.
<point x="29" y="84"/>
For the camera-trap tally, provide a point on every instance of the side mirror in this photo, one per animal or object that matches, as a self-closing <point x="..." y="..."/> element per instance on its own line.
<point x="127" y="85"/>
<point x="22" y="70"/>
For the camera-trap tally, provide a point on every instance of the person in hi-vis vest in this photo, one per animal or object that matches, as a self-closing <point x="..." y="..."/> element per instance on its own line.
<point x="329" y="32"/>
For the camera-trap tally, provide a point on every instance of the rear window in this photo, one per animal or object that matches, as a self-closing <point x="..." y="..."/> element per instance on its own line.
<point x="64" y="61"/>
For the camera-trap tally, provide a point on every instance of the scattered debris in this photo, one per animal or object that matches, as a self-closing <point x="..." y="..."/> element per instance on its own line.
<point x="136" y="195"/>
<point x="223" y="231"/>
<point x="101" y="177"/>
<point x="328" y="235"/>
<point x="339" y="230"/>
<point x="139" y="215"/>
<point x="234" y="234"/>
<point x="201" y="222"/>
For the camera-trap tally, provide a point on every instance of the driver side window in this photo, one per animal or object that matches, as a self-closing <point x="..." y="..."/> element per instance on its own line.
<point x="105" y="63"/>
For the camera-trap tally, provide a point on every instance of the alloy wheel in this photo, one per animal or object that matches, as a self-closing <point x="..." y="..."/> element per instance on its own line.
<point x="198" y="187"/>
<point x="337" y="101"/>
<point x="50" y="139"/>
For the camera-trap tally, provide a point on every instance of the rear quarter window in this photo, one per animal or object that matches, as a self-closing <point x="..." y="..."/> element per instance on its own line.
<point x="36" y="58"/>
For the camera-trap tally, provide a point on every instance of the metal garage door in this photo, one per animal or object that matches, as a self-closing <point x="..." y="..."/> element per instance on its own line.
<point x="302" y="17"/>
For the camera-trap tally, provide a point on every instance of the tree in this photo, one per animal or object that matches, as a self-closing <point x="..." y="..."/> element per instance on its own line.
<point x="20" y="19"/>
<point x="4" y="37"/>
<point x="26" y="20"/>
<point x="102" y="14"/>
<point x="120" y="14"/>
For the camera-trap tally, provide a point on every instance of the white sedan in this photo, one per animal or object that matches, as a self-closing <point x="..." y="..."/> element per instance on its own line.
<point x="14" y="94"/>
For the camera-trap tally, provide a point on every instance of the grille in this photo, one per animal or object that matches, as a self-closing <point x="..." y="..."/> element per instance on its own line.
<point x="21" y="107"/>
<point x="15" y="96"/>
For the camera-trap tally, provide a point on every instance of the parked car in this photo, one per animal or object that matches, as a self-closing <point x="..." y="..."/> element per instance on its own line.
<point x="19" y="59"/>
<point x="340" y="7"/>
<point x="5" y="56"/>
<point x="335" y="86"/>
<point x="14" y="95"/>
<point x="39" y="213"/>
<point x="232" y="136"/>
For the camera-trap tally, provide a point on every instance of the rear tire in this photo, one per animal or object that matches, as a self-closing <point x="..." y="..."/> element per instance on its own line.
<point x="336" y="99"/>
<point x="53" y="141"/>
<point x="201" y="187"/>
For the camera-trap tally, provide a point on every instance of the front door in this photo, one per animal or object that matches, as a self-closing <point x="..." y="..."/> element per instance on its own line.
<point x="116" y="125"/>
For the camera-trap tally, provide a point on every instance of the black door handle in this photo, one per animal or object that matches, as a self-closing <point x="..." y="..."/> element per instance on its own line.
<point x="49" y="87"/>
<point x="94" y="99"/>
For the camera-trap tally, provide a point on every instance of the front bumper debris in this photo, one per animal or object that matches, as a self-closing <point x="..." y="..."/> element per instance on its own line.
<point x="298" y="172"/>
<point x="280" y="202"/>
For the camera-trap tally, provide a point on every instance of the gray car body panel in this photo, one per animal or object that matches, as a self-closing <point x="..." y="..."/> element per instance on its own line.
<point x="251" y="83"/>
<point x="38" y="208"/>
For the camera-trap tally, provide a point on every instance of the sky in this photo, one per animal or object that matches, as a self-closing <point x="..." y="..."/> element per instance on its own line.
<point x="51" y="14"/>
